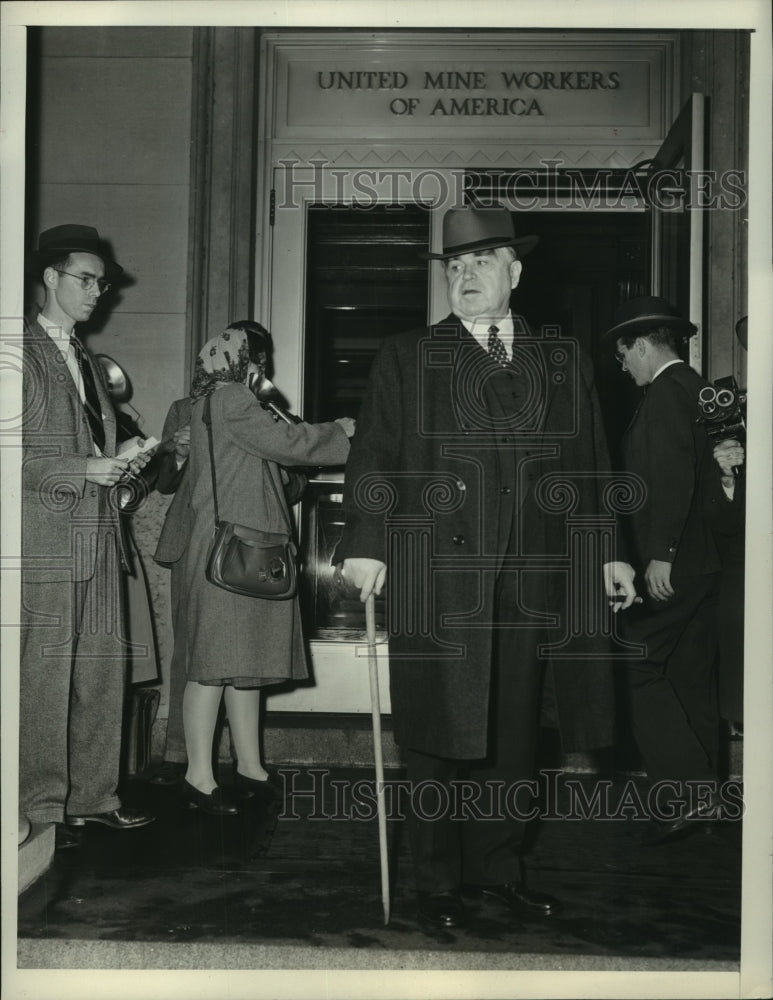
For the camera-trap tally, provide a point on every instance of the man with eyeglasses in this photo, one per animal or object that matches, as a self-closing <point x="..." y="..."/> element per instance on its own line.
<point x="672" y="687"/>
<point x="73" y="641"/>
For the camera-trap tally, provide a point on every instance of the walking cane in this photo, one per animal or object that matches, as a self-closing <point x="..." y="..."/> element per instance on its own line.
<point x="375" y="709"/>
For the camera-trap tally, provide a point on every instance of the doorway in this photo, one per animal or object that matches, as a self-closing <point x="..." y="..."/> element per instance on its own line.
<point x="365" y="279"/>
<point x="585" y="265"/>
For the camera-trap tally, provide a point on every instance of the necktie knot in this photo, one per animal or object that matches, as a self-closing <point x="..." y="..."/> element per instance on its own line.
<point x="496" y="348"/>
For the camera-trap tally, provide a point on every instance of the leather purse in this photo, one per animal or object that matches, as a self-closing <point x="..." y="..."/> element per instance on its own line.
<point x="248" y="561"/>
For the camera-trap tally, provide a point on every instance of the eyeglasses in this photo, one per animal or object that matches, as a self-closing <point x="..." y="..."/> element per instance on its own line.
<point x="87" y="281"/>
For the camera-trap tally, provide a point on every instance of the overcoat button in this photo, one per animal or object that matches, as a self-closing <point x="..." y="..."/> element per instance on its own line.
<point x="505" y="490"/>
<point x="459" y="539"/>
<point x="92" y="493"/>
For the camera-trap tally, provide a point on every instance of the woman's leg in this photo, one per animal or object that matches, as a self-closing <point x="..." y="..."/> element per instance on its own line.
<point x="242" y="707"/>
<point x="200" y="705"/>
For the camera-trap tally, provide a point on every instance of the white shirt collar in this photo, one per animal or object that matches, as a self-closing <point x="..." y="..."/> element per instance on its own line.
<point x="479" y="329"/>
<point x="54" y="330"/>
<point x="676" y="361"/>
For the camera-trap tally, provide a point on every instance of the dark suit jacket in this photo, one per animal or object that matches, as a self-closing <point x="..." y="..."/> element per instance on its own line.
<point x="178" y="523"/>
<point x="667" y="446"/>
<point x="436" y="453"/>
<point x="57" y="500"/>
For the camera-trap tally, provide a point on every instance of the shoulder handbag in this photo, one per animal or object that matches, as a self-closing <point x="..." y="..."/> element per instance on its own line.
<point x="249" y="561"/>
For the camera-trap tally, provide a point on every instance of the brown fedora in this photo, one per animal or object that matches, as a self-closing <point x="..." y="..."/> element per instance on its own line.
<point x="70" y="238"/>
<point x="472" y="228"/>
<point x="648" y="312"/>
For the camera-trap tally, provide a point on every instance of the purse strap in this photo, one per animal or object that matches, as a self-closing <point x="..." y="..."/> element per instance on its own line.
<point x="207" y="418"/>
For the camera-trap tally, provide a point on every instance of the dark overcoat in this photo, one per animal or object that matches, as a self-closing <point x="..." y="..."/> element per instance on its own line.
<point x="666" y="444"/>
<point x="441" y="482"/>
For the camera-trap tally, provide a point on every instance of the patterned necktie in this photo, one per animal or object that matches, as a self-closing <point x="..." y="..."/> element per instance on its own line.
<point x="496" y="348"/>
<point x="93" y="407"/>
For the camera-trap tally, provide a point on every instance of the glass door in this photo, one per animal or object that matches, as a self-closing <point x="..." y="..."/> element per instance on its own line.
<point x="364" y="281"/>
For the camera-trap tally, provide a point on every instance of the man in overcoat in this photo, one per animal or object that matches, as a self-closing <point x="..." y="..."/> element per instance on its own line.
<point x="73" y="641"/>
<point x="474" y="442"/>
<point x="672" y="685"/>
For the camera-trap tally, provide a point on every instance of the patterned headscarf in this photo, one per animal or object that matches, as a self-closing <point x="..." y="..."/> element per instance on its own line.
<point x="222" y="360"/>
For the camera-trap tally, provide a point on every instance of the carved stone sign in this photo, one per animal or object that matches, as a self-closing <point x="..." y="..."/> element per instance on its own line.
<point x="583" y="88"/>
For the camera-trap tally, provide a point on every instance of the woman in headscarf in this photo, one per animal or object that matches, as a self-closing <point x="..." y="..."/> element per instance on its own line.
<point x="238" y="645"/>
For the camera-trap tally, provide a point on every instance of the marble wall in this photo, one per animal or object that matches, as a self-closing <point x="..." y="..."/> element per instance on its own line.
<point x="109" y="145"/>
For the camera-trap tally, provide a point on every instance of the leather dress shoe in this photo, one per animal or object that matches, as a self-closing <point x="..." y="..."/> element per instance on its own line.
<point x="168" y="773"/>
<point x="441" y="910"/>
<point x="666" y="831"/>
<point x="251" y="788"/>
<point x="521" y="900"/>
<point x="65" y="838"/>
<point x="116" y="819"/>
<point x="217" y="803"/>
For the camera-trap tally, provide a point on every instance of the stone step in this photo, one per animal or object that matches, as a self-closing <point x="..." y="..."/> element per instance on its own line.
<point x="35" y="854"/>
<point x="347" y="741"/>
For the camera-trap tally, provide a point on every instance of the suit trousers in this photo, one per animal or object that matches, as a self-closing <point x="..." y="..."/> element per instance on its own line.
<point x="479" y="843"/>
<point x="72" y="678"/>
<point x="673" y="687"/>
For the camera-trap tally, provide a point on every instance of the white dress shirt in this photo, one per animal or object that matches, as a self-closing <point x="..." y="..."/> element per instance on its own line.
<point x="479" y="329"/>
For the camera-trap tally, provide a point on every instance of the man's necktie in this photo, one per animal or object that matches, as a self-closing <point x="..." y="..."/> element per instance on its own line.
<point x="496" y="348"/>
<point x="93" y="408"/>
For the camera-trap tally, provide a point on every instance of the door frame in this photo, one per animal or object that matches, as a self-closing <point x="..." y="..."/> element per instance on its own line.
<point x="683" y="149"/>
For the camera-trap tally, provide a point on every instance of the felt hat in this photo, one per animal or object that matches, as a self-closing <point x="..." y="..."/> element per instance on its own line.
<point x="70" y="238"/>
<point x="637" y="316"/>
<point x="472" y="228"/>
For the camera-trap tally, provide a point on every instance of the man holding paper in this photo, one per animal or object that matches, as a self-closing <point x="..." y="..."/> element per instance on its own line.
<point x="73" y="645"/>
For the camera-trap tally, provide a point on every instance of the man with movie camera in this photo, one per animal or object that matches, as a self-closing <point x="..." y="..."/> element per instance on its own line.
<point x="672" y="686"/>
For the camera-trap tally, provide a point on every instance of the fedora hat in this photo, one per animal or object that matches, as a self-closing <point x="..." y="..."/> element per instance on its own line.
<point x="70" y="238"/>
<point x="637" y="316"/>
<point x="472" y="228"/>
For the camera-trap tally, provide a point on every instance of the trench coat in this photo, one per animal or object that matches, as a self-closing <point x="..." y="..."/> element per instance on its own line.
<point x="430" y="456"/>
<point x="228" y="635"/>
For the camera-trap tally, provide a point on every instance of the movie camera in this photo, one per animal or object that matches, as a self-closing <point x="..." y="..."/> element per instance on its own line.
<point x="722" y="408"/>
